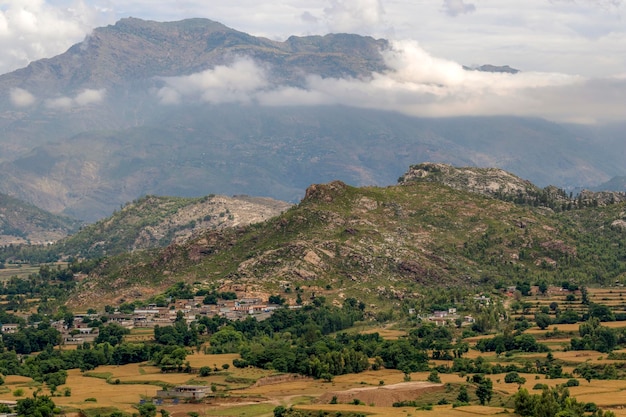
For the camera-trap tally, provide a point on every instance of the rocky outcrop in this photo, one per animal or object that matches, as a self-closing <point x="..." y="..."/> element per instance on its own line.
<point x="487" y="181"/>
<point x="601" y="198"/>
<point x="497" y="183"/>
<point x="324" y="192"/>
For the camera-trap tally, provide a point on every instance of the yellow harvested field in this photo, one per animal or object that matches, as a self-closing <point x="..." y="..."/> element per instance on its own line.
<point x="387" y="334"/>
<point x="390" y="376"/>
<point x="120" y="396"/>
<point x="574" y="327"/>
<point x="603" y="397"/>
<point x="197" y="360"/>
<point x="443" y="410"/>
<point x="584" y="356"/>
<point x="16" y="379"/>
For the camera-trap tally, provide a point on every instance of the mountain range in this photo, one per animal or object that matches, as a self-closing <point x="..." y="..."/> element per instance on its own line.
<point x="440" y="226"/>
<point x="99" y="125"/>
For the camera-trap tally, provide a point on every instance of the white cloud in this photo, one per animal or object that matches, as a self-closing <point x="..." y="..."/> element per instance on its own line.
<point x="353" y="15"/>
<point x="236" y="83"/>
<point x="22" y="98"/>
<point x="541" y="37"/>
<point x="34" y="29"/>
<point x="457" y="7"/>
<point x="59" y="103"/>
<point x="89" y="96"/>
<point x="571" y="36"/>
<point x="84" y="98"/>
<point x="417" y="84"/>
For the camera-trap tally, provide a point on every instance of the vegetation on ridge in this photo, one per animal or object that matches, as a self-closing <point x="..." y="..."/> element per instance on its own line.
<point x="387" y="243"/>
<point x="149" y="222"/>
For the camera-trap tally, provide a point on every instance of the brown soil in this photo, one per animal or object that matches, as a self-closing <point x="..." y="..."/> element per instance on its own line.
<point x="383" y="396"/>
<point x="279" y="379"/>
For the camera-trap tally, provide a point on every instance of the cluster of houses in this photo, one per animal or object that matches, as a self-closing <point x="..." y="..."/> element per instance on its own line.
<point x="193" y="308"/>
<point x="153" y="315"/>
<point x="81" y="332"/>
<point x="451" y="316"/>
<point x="445" y="317"/>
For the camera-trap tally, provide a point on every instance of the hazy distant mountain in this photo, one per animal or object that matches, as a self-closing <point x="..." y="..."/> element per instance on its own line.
<point x="615" y="184"/>
<point x="493" y="68"/>
<point x="22" y="222"/>
<point x="84" y="132"/>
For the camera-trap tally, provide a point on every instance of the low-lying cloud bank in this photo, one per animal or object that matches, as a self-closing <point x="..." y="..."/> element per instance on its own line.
<point x="416" y="84"/>
<point x="21" y="98"/>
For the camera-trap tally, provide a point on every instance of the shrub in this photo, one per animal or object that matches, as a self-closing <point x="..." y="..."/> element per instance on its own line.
<point x="572" y="382"/>
<point x="238" y="363"/>
<point x="512" y="377"/>
<point x="280" y="411"/>
<point x="434" y="377"/>
<point x="407" y="403"/>
<point x="540" y="386"/>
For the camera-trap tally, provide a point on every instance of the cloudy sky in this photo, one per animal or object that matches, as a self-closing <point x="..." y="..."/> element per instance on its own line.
<point x="568" y="50"/>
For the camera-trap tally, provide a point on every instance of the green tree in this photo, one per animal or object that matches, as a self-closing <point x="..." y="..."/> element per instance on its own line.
<point x="463" y="395"/>
<point x="112" y="333"/>
<point x="524" y="403"/>
<point x="484" y="390"/>
<point x="276" y="299"/>
<point x="547" y="405"/>
<point x="41" y="406"/>
<point x="227" y="340"/>
<point x="280" y="411"/>
<point x="147" y="410"/>
<point x="542" y="320"/>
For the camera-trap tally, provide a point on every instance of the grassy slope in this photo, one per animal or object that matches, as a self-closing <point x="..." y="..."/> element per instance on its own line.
<point x="382" y="243"/>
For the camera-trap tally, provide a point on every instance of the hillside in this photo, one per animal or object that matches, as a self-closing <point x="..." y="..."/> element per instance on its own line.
<point x="382" y="244"/>
<point x="21" y="222"/>
<point x="154" y="221"/>
<point x="94" y="129"/>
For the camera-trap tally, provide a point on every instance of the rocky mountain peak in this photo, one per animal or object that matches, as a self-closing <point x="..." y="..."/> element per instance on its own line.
<point x="324" y="192"/>
<point x="487" y="181"/>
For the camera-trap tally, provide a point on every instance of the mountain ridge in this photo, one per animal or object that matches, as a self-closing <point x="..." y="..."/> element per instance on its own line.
<point x="152" y="222"/>
<point x="382" y="244"/>
<point x="91" y="132"/>
<point x="135" y="50"/>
